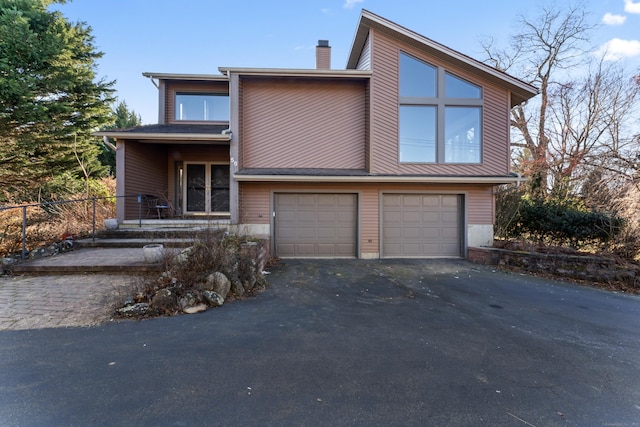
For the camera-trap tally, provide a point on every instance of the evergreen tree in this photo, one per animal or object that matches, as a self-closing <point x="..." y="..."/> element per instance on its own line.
<point x="50" y="99"/>
<point x="123" y="118"/>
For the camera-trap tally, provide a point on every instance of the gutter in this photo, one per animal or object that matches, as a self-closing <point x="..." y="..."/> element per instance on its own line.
<point x="494" y="180"/>
<point x="166" y="136"/>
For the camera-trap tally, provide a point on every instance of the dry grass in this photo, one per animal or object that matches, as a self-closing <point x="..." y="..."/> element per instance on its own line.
<point x="54" y="222"/>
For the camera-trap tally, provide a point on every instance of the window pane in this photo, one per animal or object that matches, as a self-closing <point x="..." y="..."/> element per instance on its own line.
<point x="417" y="79"/>
<point x="417" y="134"/>
<point x="462" y="134"/>
<point x="192" y="106"/>
<point x="455" y="87"/>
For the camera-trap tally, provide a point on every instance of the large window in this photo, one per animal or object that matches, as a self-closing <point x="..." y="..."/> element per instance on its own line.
<point x="440" y="115"/>
<point x="202" y="107"/>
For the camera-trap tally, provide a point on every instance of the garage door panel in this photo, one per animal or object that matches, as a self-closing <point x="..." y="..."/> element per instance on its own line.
<point x="430" y="201"/>
<point x="324" y="225"/>
<point x="450" y="201"/>
<point x="433" y="217"/>
<point x="416" y="225"/>
<point x="411" y="201"/>
<point x="409" y="217"/>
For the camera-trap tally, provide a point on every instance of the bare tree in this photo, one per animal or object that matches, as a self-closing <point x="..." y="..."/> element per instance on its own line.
<point x="587" y="124"/>
<point x="545" y="48"/>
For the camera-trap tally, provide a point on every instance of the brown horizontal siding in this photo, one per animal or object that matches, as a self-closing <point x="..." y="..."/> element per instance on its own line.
<point x="145" y="172"/>
<point x="255" y="202"/>
<point x="200" y="152"/>
<point x="369" y="220"/>
<point x="310" y="124"/>
<point x="384" y="137"/>
<point x="177" y="86"/>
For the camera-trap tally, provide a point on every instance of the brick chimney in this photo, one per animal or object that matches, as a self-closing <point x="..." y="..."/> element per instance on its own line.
<point x="323" y="55"/>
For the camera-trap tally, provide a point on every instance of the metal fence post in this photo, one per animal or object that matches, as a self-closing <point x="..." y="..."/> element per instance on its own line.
<point x="140" y="210"/>
<point x="24" y="232"/>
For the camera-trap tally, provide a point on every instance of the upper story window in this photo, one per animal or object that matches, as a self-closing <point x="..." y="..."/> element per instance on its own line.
<point x="202" y="107"/>
<point x="440" y="115"/>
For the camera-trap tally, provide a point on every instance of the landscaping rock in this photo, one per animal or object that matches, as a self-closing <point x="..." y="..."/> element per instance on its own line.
<point x="214" y="299"/>
<point x="195" y="309"/>
<point x="218" y="283"/>
<point x="183" y="256"/>
<point x="164" y="301"/>
<point x="189" y="299"/>
<point x="138" y="309"/>
<point x="237" y="288"/>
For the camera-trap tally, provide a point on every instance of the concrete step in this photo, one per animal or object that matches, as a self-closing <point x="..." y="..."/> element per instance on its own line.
<point x="136" y="242"/>
<point x="89" y="260"/>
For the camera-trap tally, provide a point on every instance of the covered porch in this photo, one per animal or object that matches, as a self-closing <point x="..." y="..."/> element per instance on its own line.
<point x="172" y="175"/>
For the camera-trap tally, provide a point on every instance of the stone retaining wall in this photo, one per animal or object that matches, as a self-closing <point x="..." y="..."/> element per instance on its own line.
<point x="589" y="268"/>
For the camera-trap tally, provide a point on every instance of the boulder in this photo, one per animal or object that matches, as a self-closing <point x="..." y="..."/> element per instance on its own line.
<point x="189" y="299"/>
<point x="237" y="288"/>
<point x="218" y="283"/>
<point x="138" y="309"/>
<point x="195" y="309"/>
<point x="164" y="301"/>
<point x="214" y="299"/>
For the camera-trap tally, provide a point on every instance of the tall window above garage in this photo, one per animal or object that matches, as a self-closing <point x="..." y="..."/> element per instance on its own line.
<point x="440" y="115"/>
<point x="209" y="107"/>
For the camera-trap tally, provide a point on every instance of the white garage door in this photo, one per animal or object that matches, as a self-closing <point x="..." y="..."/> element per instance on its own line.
<point x="421" y="225"/>
<point x="315" y="225"/>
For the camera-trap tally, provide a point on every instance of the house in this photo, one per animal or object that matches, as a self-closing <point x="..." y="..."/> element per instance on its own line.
<point x="397" y="155"/>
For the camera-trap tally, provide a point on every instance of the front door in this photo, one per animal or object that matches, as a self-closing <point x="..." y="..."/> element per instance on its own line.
<point x="206" y="187"/>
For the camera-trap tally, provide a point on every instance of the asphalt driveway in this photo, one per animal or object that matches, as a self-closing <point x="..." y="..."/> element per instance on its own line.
<point x="420" y="342"/>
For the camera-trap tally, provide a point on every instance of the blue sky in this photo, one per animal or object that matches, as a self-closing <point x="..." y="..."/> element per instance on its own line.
<point x="198" y="36"/>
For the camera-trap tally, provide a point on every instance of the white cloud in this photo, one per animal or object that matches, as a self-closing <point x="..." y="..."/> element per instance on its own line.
<point x="631" y="7"/>
<point x="617" y="49"/>
<point x="611" y="19"/>
<point x="326" y="10"/>
<point x="349" y="4"/>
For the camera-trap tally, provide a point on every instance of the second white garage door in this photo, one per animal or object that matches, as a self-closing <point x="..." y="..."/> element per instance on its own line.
<point x="421" y="225"/>
<point x="315" y="225"/>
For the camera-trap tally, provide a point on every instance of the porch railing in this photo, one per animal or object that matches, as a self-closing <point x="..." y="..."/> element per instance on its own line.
<point x="141" y="199"/>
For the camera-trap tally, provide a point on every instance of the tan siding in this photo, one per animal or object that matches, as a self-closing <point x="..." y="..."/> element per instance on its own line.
<point x="200" y="152"/>
<point x="146" y="172"/>
<point x="255" y="203"/>
<point x="288" y="124"/>
<point x="369" y="220"/>
<point x="384" y="136"/>
<point x="364" y="62"/>
<point x="480" y="205"/>
<point x="384" y="106"/>
<point x="176" y="86"/>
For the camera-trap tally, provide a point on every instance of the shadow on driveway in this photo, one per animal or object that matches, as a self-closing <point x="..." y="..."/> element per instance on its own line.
<point x="346" y="342"/>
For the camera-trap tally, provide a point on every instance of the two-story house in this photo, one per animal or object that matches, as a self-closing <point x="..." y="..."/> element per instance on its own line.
<point x="397" y="155"/>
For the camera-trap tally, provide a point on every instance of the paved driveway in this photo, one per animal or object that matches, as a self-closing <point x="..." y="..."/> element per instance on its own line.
<point x="346" y="343"/>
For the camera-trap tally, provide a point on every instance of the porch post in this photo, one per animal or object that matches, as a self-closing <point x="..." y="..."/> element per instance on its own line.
<point x="234" y="199"/>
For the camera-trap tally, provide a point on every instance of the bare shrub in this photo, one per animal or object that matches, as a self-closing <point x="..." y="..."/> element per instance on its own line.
<point x="185" y="273"/>
<point x="54" y="221"/>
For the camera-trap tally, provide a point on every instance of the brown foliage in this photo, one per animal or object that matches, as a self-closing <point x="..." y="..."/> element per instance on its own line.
<point x="48" y="223"/>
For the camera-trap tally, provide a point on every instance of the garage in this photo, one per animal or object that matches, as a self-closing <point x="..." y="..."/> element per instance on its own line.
<point x="310" y="225"/>
<point x="421" y="225"/>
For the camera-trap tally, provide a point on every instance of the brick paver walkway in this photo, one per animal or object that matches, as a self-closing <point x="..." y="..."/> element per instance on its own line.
<point x="34" y="302"/>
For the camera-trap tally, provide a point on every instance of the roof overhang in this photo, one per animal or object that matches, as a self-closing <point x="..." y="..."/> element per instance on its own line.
<point x="165" y="136"/>
<point x="399" y="179"/>
<point x="520" y="90"/>
<point x="178" y="76"/>
<point x="291" y="72"/>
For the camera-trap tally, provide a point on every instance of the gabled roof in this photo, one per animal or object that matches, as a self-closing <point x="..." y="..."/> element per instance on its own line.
<point x="520" y="90"/>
